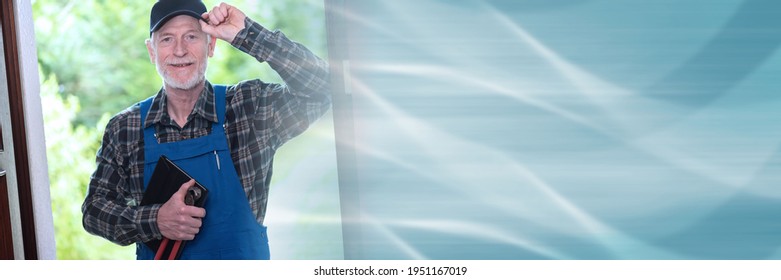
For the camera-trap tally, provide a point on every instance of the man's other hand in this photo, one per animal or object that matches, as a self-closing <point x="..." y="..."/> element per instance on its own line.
<point x="178" y="221"/>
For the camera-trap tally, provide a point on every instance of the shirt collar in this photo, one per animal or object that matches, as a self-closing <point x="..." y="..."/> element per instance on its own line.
<point x="204" y="107"/>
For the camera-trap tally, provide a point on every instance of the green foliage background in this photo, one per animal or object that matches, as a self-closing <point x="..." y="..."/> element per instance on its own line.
<point x="93" y="64"/>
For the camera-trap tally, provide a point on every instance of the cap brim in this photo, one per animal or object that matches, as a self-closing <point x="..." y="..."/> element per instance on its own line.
<point x="165" y="19"/>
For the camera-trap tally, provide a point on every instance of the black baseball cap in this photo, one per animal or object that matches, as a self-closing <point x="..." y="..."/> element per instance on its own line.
<point x="165" y="10"/>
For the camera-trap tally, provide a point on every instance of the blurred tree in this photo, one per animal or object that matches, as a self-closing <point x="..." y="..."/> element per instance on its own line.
<point x="70" y="146"/>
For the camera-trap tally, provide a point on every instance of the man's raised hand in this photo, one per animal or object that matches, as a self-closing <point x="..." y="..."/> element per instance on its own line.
<point x="223" y="21"/>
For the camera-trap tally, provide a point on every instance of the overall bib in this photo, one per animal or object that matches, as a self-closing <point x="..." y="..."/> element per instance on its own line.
<point x="229" y="229"/>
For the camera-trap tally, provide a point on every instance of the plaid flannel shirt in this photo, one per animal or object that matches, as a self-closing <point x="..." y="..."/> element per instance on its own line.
<point x="260" y="117"/>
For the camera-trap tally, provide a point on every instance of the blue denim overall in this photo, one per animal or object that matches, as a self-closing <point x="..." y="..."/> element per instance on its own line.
<point x="229" y="230"/>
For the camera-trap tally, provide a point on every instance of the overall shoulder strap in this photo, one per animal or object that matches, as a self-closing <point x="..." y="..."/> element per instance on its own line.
<point x="219" y="102"/>
<point x="145" y="105"/>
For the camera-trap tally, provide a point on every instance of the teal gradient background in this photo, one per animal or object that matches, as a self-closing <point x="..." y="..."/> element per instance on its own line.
<point x="579" y="129"/>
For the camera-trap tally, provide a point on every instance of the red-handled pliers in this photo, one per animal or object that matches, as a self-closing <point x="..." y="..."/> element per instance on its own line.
<point x="189" y="199"/>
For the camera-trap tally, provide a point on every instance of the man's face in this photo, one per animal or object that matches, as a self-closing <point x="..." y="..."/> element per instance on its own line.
<point x="180" y="51"/>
